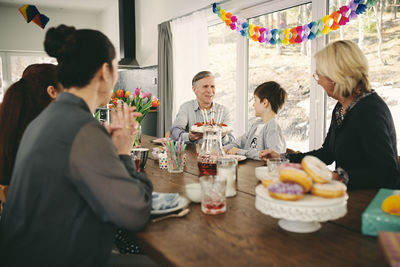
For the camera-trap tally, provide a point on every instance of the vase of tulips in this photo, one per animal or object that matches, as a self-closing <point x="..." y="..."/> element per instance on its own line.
<point x="141" y="100"/>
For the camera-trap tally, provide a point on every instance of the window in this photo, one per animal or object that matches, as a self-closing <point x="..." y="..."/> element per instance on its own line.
<point x="306" y="116"/>
<point x="222" y="63"/>
<point x="13" y="64"/>
<point x="290" y="67"/>
<point x="377" y="33"/>
<point x="18" y="63"/>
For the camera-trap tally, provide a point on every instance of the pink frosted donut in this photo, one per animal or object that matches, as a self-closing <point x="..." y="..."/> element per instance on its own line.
<point x="285" y="191"/>
<point x="316" y="169"/>
<point x="293" y="173"/>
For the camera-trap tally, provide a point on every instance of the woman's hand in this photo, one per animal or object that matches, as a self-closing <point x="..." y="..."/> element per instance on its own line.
<point x="123" y="127"/>
<point x="233" y="151"/>
<point x="268" y="153"/>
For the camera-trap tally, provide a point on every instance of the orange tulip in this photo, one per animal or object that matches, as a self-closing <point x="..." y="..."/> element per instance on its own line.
<point x="155" y="103"/>
<point x="120" y="93"/>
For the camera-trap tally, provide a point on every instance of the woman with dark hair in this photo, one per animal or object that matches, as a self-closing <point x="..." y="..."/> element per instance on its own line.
<point x="23" y="102"/>
<point x="74" y="181"/>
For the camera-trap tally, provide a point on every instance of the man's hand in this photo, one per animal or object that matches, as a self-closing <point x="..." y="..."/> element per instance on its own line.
<point x="194" y="136"/>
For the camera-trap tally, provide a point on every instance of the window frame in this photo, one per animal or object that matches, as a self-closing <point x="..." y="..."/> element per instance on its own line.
<point x="318" y="98"/>
<point x="6" y="55"/>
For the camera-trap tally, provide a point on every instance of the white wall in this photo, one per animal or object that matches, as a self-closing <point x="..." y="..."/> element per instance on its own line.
<point x="16" y="34"/>
<point x="108" y="23"/>
<point x="150" y="13"/>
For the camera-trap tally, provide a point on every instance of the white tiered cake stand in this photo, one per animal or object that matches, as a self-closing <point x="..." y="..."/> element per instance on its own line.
<point x="302" y="216"/>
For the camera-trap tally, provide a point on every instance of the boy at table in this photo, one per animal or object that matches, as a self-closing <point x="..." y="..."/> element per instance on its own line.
<point x="269" y="98"/>
<point x="190" y="112"/>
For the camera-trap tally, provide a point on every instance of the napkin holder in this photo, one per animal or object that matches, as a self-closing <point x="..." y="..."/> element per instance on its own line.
<point x="374" y="219"/>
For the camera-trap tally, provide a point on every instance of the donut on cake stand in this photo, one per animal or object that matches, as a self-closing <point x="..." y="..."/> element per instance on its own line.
<point x="301" y="216"/>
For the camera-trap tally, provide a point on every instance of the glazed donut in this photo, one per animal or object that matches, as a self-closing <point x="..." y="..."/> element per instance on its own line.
<point x="268" y="181"/>
<point x="269" y="178"/>
<point x="293" y="173"/>
<point x="316" y="169"/>
<point x="330" y="190"/>
<point x="391" y="205"/>
<point x="285" y="191"/>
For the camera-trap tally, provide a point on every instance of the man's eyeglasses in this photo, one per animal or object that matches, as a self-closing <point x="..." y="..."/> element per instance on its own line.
<point x="316" y="76"/>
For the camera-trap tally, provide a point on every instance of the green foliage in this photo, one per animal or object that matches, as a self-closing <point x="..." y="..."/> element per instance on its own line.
<point x="371" y="28"/>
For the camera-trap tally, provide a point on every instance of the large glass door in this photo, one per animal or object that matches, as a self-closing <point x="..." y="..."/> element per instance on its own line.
<point x="289" y="65"/>
<point x="222" y="45"/>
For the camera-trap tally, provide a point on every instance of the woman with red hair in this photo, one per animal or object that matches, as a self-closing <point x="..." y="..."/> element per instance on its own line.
<point x="22" y="102"/>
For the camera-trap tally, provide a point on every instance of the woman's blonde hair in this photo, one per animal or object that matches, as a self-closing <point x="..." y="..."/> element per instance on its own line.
<point x="345" y="64"/>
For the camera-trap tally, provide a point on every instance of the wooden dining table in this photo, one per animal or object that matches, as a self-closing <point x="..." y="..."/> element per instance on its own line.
<point x="243" y="236"/>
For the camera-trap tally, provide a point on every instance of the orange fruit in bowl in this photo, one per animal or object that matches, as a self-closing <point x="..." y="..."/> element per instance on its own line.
<point x="391" y="205"/>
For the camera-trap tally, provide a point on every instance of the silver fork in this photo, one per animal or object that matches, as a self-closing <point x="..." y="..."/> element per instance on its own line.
<point x="180" y="214"/>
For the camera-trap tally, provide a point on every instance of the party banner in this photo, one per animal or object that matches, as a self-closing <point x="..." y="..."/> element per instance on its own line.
<point x="297" y="34"/>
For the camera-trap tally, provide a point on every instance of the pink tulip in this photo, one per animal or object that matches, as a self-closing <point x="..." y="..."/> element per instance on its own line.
<point x="137" y="91"/>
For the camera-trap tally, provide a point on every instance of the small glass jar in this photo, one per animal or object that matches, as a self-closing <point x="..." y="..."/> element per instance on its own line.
<point x="227" y="168"/>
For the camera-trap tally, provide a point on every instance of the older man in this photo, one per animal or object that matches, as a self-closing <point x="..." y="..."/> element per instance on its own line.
<point x="190" y="112"/>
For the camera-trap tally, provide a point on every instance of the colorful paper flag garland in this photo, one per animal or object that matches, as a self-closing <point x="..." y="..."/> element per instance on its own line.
<point x="299" y="33"/>
<point x="31" y="13"/>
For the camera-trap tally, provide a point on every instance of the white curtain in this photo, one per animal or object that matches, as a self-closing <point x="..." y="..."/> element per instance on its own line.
<point x="190" y="54"/>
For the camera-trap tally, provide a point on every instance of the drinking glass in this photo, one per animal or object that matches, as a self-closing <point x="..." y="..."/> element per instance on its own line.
<point x="139" y="156"/>
<point x="227" y="168"/>
<point x="274" y="163"/>
<point x="175" y="163"/>
<point x="213" y="199"/>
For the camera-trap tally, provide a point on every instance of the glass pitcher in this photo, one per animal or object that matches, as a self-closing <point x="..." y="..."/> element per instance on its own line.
<point x="210" y="151"/>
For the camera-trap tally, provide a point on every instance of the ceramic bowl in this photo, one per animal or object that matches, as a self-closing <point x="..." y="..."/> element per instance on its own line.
<point x="193" y="192"/>
<point x="261" y="172"/>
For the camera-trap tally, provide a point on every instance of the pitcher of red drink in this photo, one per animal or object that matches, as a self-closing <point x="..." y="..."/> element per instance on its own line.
<point x="210" y="151"/>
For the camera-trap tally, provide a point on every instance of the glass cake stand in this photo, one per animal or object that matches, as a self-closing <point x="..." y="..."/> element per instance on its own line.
<point x="302" y="216"/>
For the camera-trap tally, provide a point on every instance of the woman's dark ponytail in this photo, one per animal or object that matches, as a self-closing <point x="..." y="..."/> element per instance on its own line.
<point x="80" y="54"/>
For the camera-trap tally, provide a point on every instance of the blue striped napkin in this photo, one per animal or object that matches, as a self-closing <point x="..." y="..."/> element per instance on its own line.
<point x="163" y="201"/>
